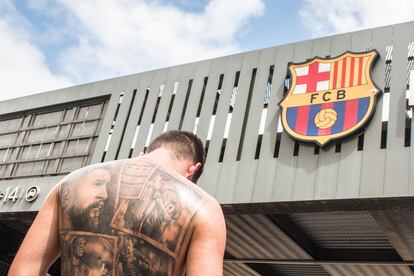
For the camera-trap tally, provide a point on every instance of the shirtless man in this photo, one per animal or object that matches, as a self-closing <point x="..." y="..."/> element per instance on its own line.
<point x="140" y="216"/>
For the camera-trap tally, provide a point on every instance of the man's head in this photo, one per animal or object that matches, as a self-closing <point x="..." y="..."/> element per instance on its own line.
<point x="184" y="146"/>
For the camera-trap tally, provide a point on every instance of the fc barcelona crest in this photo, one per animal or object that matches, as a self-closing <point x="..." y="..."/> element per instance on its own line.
<point x="330" y="98"/>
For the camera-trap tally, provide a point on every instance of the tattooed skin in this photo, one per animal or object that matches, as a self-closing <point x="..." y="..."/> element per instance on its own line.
<point x="129" y="217"/>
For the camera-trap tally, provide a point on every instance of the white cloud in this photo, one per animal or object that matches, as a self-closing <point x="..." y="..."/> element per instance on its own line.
<point x="97" y="39"/>
<point x="324" y="17"/>
<point x="124" y="36"/>
<point x="22" y="64"/>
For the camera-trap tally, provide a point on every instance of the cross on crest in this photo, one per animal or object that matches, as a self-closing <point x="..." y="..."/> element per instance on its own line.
<point x="311" y="78"/>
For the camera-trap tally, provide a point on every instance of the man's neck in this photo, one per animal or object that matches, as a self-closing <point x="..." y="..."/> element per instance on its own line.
<point x="166" y="159"/>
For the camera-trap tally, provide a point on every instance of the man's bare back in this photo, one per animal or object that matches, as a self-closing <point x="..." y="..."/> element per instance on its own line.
<point x="133" y="217"/>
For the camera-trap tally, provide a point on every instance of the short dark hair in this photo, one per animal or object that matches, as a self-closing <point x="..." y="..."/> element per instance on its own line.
<point x="184" y="145"/>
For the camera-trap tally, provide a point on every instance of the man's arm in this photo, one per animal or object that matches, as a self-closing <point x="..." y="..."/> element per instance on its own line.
<point x="40" y="247"/>
<point x="206" y="250"/>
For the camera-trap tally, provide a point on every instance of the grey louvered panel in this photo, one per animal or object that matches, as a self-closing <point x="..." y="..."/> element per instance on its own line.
<point x="106" y="86"/>
<point x="266" y="181"/>
<point x="328" y="165"/>
<point x="343" y="270"/>
<point x="304" y="181"/>
<point x="250" y="61"/>
<point x="157" y="80"/>
<point x="296" y="270"/>
<point x="245" y="181"/>
<point x="373" y="158"/>
<point x="345" y="230"/>
<point x="361" y="270"/>
<point x="266" y="59"/>
<point x="399" y="228"/>
<point x="327" y="175"/>
<point x="367" y="270"/>
<point x="124" y="85"/>
<point x="248" y="166"/>
<point x="202" y="71"/>
<point x="209" y="180"/>
<point x="349" y="174"/>
<point x="333" y="270"/>
<point x="173" y="75"/>
<point x="411" y="168"/>
<point x="233" y="269"/>
<point x="141" y="86"/>
<point x="187" y="74"/>
<point x="257" y="235"/>
<point x="228" y="174"/>
<point x="216" y="68"/>
<point x="287" y="163"/>
<point x="397" y="156"/>
<point x="240" y="244"/>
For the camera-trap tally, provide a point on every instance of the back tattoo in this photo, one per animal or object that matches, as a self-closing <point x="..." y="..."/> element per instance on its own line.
<point x="128" y="217"/>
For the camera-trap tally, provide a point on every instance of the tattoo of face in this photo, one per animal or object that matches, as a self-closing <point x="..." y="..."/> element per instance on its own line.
<point x="83" y="200"/>
<point x="88" y="254"/>
<point x="140" y="258"/>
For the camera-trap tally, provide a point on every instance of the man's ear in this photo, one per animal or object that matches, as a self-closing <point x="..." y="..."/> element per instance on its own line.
<point x="192" y="170"/>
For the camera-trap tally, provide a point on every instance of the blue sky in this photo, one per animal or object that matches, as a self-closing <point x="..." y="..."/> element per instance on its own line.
<point x="279" y="24"/>
<point x="49" y="44"/>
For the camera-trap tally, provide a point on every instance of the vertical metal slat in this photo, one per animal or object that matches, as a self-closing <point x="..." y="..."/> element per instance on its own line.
<point x="158" y="79"/>
<point x="125" y="85"/>
<point x="209" y="180"/>
<point x="228" y="175"/>
<point x="373" y="157"/>
<point x="349" y="174"/>
<point x="266" y="179"/>
<point x="397" y="156"/>
<point x="247" y="167"/>
<point x="137" y="105"/>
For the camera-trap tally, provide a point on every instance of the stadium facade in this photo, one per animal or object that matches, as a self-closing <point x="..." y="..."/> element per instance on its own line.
<point x="291" y="208"/>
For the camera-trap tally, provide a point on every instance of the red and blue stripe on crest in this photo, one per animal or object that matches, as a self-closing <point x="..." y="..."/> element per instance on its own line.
<point x="349" y="113"/>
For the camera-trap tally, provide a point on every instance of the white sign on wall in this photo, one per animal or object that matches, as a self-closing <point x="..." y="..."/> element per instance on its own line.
<point x="14" y="194"/>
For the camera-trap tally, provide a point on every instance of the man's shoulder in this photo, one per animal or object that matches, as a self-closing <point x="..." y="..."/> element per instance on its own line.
<point x="210" y="209"/>
<point x="110" y="166"/>
<point x="210" y="203"/>
<point x="114" y="164"/>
